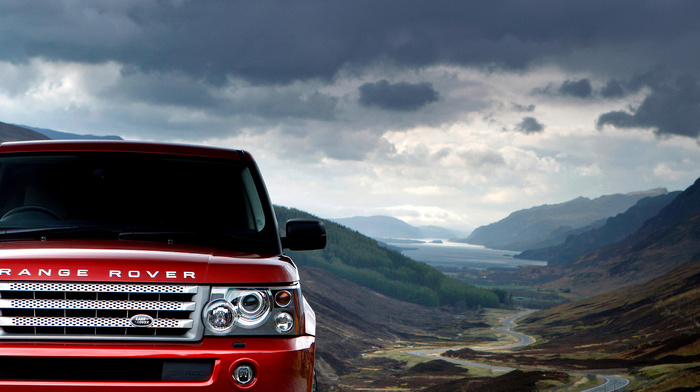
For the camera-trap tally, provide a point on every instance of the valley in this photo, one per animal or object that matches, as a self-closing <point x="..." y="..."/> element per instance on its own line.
<point x="621" y="317"/>
<point x="376" y="349"/>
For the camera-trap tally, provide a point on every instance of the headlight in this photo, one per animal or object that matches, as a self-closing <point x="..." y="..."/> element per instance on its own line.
<point x="219" y="317"/>
<point x="252" y="311"/>
<point x="253" y="306"/>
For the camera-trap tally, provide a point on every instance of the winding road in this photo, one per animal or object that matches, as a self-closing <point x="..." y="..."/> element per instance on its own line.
<point x="612" y="383"/>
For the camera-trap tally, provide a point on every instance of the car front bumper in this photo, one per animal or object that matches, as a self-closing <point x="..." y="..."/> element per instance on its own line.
<point x="280" y="365"/>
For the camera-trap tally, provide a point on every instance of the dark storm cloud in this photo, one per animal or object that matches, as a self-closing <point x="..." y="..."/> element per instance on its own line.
<point x="572" y="88"/>
<point x="397" y="96"/>
<point x="529" y="125"/>
<point x="613" y="89"/>
<point x="672" y="109"/>
<point x="523" y="108"/>
<point x="280" y="41"/>
<point x="580" y="88"/>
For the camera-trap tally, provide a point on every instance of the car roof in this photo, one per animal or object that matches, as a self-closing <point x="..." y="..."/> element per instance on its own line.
<point x="123" y="146"/>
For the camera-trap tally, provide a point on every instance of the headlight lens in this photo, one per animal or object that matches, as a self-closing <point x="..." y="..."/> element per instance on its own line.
<point x="252" y="311"/>
<point x="219" y="316"/>
<point x="253" y="306"/>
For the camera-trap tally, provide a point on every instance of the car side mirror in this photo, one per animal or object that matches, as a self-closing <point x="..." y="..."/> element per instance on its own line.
<point x="304" y="234"/>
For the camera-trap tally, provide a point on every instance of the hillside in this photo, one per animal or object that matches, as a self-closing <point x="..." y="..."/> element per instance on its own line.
<point x="360" y="259"/>
<point x="56" y="135"/>
<point x="649" y="332"/>
<point x="655" y="322"/>
<point x="549" y="225"/>
<point x="352" y="320"/>
<point x="663" y="243"/>
<point x="615" y="229"/>
<point x="13" y="133"/>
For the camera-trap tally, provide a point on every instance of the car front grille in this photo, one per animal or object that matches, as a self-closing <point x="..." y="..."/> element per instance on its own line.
<point x="100" y="311"/>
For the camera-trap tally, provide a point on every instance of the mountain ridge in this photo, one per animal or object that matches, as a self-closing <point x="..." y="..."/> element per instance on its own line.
<point x="615" y="229"/>
<point x="388" y="227"/>
<point x="58" y="135"/>
<point x="539" y="226"/>
<point x="663" y="243"/>
<point x="14" y="133"/>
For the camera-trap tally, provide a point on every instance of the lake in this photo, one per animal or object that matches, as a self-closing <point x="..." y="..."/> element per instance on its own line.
<point x="449" y="255"/>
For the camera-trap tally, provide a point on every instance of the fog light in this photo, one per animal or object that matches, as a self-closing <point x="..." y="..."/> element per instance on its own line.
<point x="284" y="322"/>
<point x="244" y="373"/>
<point x="219" y="316"/>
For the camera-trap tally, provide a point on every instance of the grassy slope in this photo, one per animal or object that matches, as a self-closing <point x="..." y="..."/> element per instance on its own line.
<point x="361" y="260"/>
<point x="652" y="322"/>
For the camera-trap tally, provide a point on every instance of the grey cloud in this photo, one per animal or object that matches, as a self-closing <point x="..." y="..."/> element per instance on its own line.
<point x="523" y="108"/>
<point x="668" y="110"/>
<point x="479" y="159"/>
<point x="397" y="96"/>
<point x="580" y="88"/>
<point x="653" y="79"/>
<point x="613" y="89"/>
<point x="529" y="125"/>
<point x="280" y="42"/>
<point x="573" y="88"/>
<point x="275" y="104"/>
<point x="162" y="89"/>
<point x="181" y="90"/>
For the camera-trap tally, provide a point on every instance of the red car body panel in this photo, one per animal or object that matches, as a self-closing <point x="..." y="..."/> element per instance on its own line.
<point x="134" y="261"/>
<point x="283" y="363"/>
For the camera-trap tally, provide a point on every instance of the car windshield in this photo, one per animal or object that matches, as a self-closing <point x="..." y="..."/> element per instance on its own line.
<point x="135" y="194"/>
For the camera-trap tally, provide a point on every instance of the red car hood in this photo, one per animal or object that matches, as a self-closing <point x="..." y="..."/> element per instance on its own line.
<point x="134" y="261"/>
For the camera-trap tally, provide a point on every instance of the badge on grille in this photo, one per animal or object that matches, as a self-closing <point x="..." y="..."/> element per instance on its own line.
<point x="141" y="320"/>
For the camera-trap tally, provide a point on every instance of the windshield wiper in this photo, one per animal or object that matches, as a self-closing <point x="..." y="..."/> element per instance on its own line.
<point x="206" y="238"/>
<point x="21" y="233"/>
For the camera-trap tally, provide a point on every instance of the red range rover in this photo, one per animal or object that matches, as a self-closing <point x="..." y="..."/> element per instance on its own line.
<point x="140" y="266"/>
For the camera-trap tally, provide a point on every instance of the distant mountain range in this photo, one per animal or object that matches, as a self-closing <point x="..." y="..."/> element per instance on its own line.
<point x="56" y="135"/>
<point x="664" y="242"/>
<point x="550" y="225"/>
<point x="615" y="229"/>
<point x="387" y="227"/>
<point x="13" y="133"/>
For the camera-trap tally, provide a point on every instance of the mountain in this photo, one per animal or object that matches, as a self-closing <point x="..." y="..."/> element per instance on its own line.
<point x="380" y="226"/>
<point x="13" y="133"/>
<point x="360" y="259"/>
<point x="548" y="225"/>
<point x="655" y="322"/>
<point x="615" y="229"/>
<point x="56" y="135"/>
<point x="384" y="227"/>
<point x="663" y="243"/>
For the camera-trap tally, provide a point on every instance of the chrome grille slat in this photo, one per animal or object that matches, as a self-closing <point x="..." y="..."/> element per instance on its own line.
<point x="90" y="322"/>
<point x="95" y="304"/>
<point x="98" y="287"/>
<point x="100" y="311"/>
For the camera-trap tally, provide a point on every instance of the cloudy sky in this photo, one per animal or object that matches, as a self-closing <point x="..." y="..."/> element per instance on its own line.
<point x="435" y="112"/>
